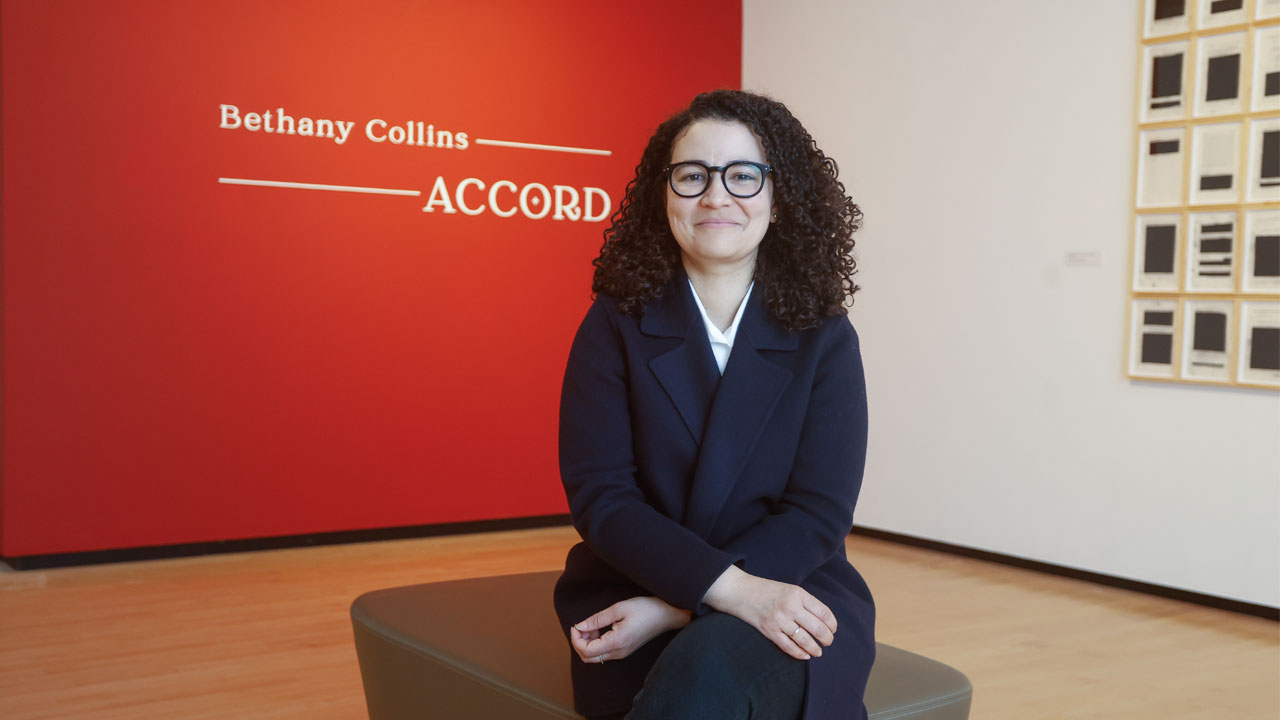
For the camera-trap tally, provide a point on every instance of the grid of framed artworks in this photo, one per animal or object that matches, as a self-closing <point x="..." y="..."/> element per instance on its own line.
<point x="1204" y="294"/>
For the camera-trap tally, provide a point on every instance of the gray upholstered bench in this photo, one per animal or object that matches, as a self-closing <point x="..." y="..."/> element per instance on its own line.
<point x="490" y="648"/>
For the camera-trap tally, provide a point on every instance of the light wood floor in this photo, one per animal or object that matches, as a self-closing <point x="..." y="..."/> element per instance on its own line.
<point x="266" y="635"/>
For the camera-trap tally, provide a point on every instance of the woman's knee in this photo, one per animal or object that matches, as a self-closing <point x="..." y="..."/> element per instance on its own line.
<point x="716" y="648"/>
<point x="713" y="668"/>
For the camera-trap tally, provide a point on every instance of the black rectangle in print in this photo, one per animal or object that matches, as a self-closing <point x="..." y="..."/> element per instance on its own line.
<point x="1157" y="317"/>
<point x="1271" y="154"/>
<point x="1271" y="84"/>
<point x="1264" y="350"/>
<point x="1215" y="182"/>
<point x="1158" y="252"/>
<point x="1157" y="348"/>
<point x="1216" y="228"/>
<point x="1166" y="76"/>
<point x="1221" y="6"/>
<point x="1211" y="331"/>
<point x="1223" y="78"/>
<point x="1215" y="245"/>
<point x="1159" y="147"/>
<point x="1266" y="256"/>
<point x="1169" y="8"/>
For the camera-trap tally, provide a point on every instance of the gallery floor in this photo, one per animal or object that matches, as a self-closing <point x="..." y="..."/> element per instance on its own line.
<point x="266" y="634"/>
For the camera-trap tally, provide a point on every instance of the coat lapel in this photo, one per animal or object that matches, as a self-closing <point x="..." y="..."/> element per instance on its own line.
<point x="741" y="406"/>
<point x="688" y="371"/>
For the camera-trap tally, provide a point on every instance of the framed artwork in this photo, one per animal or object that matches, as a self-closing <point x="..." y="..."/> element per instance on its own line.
<point x="1165" y="81"/>
<point x="1218" y="76"/>
<point x="1220" y="13"/>
<point x="1153" y="322"/>
<point x="1266" y="69"/>
<point x="1261" y="267"/>
<point x="1264" y="160"/>
<point x="1206" y="343"/>
<point x="1259" y="359"/>
<point x="1160" y="167"/>
<point x="1204" y="281"/>
<point x="1215" y="162"/>
<point x="1211" y="257"/>
<point x="1155" y="245"/>
<point x="1165" y="17"/>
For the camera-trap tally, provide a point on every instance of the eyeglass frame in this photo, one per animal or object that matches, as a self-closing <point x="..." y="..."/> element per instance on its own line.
<point x="766" y="170"/>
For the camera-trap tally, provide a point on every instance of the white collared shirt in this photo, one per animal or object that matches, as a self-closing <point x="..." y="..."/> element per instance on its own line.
<point x="721" y="342"/>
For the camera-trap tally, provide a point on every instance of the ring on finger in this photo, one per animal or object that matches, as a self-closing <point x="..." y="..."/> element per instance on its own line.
<point x="796" y="631"/>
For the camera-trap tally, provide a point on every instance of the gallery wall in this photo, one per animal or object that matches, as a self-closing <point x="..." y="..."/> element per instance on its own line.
<point x="205" y="339"/>
<point x="985" y="148"/>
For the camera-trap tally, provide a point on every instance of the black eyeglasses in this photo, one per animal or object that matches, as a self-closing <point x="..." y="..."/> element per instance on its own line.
<point x="742" y="178"/>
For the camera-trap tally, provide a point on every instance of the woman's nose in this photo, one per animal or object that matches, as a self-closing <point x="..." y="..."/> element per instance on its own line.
<point x="716" y="194"/>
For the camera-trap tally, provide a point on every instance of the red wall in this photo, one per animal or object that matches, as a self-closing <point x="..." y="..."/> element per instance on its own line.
<point x="187" y="360"/>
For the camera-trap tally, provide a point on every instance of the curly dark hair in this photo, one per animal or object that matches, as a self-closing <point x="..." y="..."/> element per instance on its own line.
<point x="805" y="265"/>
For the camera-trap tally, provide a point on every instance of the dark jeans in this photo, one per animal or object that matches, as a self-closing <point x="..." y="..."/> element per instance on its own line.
<point x="720" y="668"/>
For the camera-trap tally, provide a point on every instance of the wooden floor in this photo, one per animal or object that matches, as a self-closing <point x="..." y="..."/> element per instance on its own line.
<point x="266" y="635"/>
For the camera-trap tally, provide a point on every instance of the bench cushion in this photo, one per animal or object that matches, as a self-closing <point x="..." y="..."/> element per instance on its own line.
<point x="492" y="648"/>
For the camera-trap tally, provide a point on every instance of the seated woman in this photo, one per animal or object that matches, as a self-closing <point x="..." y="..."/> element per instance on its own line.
<point x="713" y="428"/>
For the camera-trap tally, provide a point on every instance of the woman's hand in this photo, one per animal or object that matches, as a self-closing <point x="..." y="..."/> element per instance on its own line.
<point x="635" y="621"/>
<point x="787" y="614"/>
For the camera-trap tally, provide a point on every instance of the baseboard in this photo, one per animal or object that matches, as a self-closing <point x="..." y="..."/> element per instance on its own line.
<point x="1238" y="606"/>
<point x="158" y="552"/>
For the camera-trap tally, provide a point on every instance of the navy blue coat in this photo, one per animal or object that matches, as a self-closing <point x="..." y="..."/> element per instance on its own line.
<point x="674" y="472"/>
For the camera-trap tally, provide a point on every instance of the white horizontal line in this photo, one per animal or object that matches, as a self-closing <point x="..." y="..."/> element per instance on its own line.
<point x="316" y="186"/>
<point x="536" y="146"/>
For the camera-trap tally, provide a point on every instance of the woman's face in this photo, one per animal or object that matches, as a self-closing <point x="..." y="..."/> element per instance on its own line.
<point x="717" y="230"/>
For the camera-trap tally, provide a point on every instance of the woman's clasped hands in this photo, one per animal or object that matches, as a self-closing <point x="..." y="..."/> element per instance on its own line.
<point x="624" y="627"/>
<point x="791" y="617"/>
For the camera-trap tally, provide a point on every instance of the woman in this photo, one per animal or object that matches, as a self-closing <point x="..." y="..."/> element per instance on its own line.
<point x="713" y="434"/>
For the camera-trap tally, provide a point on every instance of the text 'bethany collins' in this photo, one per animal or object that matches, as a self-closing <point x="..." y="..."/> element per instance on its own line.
<point x="504" y="198"/>
<point x="377" y="129"/>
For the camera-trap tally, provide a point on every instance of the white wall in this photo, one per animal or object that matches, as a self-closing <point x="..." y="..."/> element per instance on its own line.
<point x="985" y="141"/>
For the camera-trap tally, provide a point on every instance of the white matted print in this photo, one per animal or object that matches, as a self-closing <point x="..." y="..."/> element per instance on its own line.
<point x="1220" y="13"/>
<point x="1151" y="338"/>
<point x="1259" y="360"/>
<point x="1264" y="160"/>
<point x="1165" y="17"/>
<point x="1215" y="158"/>
<point x="1261" y="267"/>
<point x="1160" y="167"/>
<point x="1164" y="81"/>
<point x="1211" y="252"/>
<point x="1206" y="339"/>
<point x="1218" y="74"/>
<point x="1155" y="253"/>
<point x="1266" y="69"/>
<point x="1266" y="9"/>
